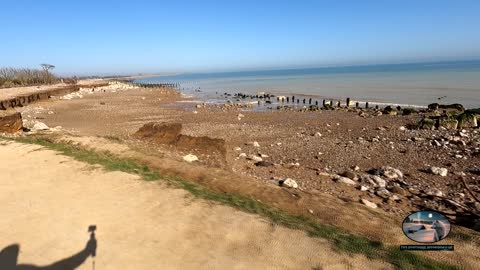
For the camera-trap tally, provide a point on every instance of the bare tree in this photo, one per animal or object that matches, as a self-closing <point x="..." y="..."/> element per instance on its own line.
<point x="46" y="68"/>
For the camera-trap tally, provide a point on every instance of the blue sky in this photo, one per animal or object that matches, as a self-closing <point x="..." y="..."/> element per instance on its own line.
<point x="119" y="37"/>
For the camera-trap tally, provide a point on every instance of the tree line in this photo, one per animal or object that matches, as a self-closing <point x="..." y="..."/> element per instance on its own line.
<point x="11" y="77"/>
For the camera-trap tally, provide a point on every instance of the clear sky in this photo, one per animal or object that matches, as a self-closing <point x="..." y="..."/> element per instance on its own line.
<point x="107" y="37"/>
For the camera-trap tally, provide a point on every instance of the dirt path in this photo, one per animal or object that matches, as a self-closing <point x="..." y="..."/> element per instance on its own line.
<point x="48" y="201"/>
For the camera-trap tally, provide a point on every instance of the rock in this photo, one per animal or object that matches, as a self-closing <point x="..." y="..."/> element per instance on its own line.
<point x="427" y="123"/>
<point x="379" y="181"/>
<point x="242" y="155"/>
<point x="345" y="180"/>
<point x="190" y="158"/>
<point x="399" y="190"/>
<point x="439" y="171"/>
<point x="448" y="123"/>
<point x="467" y="120"/>
<point x="356" y="168"/>
<point x="255" y="158"/>
<point x="363" y="188"/>
<point x="369" y="203"/>
<point x="11" y="123"/>
<point x="39" y="126"/>
<point x="390" y="172"/>
<point x="288" y="182"/>
<point x="237" y="149"/>
<point x="317" y="134"/>
<point x="263" y="164"/>
<point x="402" y="128"/>
<point x="349" y="174"/>
<point x="383" y="192"/>
<point x="256" y="144"/>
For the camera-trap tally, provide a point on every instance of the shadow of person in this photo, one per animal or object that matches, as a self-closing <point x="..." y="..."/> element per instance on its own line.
<point x="9" y="258"/>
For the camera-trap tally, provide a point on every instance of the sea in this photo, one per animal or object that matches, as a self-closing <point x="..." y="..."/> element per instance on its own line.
<point x="414" y="84"/>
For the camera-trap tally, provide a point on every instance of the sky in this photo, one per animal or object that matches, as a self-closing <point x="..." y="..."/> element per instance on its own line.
<point x="127" y="37"/>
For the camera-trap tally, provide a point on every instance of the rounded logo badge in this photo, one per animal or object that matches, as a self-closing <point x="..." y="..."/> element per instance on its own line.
<point x="426" y="226"/>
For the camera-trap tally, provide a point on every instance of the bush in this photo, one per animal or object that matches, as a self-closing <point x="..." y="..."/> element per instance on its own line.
<point x="11" y="77"/>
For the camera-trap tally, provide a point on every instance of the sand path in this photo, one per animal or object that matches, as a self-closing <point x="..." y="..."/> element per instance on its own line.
<point x="48" y="201"/>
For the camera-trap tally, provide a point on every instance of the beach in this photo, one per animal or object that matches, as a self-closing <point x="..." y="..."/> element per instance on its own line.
<point x="347" y="166"/>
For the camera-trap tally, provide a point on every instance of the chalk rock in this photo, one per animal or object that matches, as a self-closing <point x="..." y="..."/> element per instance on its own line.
<point x="369" y="203"/>
<point x="190" y="158"/>
<point x="390" y="173"/>
<point x="255" y="158"/>
<point x="345" y="180"/>
<point x="439" y="171"/>
<point x="289" y="182"/>
<point x="39" y="126"/>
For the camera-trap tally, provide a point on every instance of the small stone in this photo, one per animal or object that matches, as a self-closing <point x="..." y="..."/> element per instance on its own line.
<point x="263" y="164"/>
<point x="345" y="180"/>
<point x="256" y="144"/>
<point x="369" y="203"/>
<point x="39" y="126"/>
<point x="363" y="188"/>
<point x="190" y="158"/>
<point x="310" y="211"/>
<point x="382" y="192"/>
<point x="402" y="128"/>
<point x="390" y="172"/>
<point x="255" y="158"/>
<point x="237" y="149"/>
<point x="317" y="134"/>
<point x="242" y="155"/>
<point x="439" y="171"/>
<point x="288" y="182"/>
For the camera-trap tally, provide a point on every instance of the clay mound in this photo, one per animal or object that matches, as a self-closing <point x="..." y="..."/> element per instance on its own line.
<point x="169" y="133"/>
<point x="164" y="133"/>
<point x="205" y="144"/>
<point x="11" y="123"/>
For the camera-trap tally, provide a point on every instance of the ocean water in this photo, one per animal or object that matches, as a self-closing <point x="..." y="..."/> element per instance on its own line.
<point x="405" y="84"/>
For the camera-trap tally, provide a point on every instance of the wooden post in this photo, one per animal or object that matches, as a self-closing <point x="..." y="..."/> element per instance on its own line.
<point x="323" y="103"/>
<point x="298" y="100"/>
<point x="293" y="99"/>
<point x="310" y="101"/>
<point x="303" y="101"/>
<point x="288" y="99"/>
<point x="338" y="104"/>
<point x="376" y="107"/>
<point x="366" y="105"/>
<point x="316" y="102"/>
<point x="348" y="102"/>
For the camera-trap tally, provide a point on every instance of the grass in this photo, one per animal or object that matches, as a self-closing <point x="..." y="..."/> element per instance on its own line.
<point x="341" y="241"/>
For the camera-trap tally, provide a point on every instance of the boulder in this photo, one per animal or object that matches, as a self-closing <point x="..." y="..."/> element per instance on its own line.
<point x="467" y="120"/>
<point x="383" y="193"/>
<point x="427" y="123"/>
<point x="11" y="123"/>
<point x="448" y="123"/>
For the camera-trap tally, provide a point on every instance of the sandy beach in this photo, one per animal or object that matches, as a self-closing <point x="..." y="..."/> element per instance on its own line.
<point x="350" y="167"/>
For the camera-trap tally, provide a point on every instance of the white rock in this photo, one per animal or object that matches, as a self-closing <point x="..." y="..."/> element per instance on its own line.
<point x="379" y="181"/>
<point x="363" y="188"/>
<point x="39" y="126"/>
<point x="242" y="155"/>
<point x="289" y="182"/>
<point x="255" y="158"/>
<point x="402" y="128"/>
<point x="369" y="203"/>
<point x="190" y="158"/>
<point x="345" y="180"/>
<point x="237" y="149"/>
<point x="391" y="173"/>
<point x="439" y="171"/>
<point x="318" y="134"/>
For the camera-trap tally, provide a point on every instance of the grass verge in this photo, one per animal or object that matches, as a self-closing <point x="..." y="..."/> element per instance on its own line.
<point x="341" y="240"/>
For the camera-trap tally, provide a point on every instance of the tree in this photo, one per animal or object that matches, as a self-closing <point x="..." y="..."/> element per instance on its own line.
<point x="46" y="68"/>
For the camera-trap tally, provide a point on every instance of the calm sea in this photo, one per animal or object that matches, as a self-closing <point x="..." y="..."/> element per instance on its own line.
<point x="405" y="84"/>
